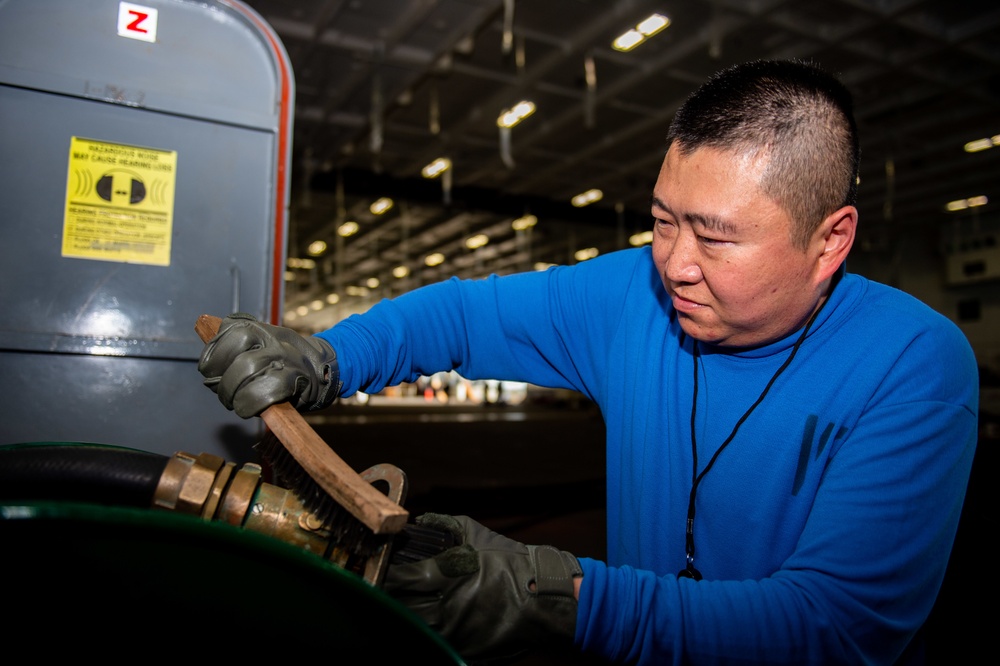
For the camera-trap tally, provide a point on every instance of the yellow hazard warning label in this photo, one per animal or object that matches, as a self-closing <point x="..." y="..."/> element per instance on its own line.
<point x="119" y="202"/>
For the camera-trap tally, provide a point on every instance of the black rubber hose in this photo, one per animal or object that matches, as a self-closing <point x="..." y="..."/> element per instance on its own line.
<point x="92" y="473"/>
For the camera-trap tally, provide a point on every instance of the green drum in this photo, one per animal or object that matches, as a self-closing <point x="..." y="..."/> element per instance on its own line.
<point x="85" y="578"/>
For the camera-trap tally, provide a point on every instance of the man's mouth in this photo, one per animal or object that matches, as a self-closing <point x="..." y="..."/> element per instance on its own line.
<point x="682" y="304"/>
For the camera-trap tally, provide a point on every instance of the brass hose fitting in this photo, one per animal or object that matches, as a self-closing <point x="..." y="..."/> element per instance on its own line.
<point x="210" y="488"/>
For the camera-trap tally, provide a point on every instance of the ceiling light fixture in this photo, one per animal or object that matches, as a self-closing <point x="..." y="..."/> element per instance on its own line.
<point x="380" y="206"/>
<point x="436" y="168"/>
<point x="962" y="204"/>
<point x="298" y="262"/>
<point x="640" y="238"/>
<point x="637" y="35"/>
<point x="587" y="198"/>
<point x="586" y="253"/>
<point x="348" y="228"/>
<point x="434" y="259"/>
<point x="524" y="222"/>
<point x="332" y="298"/>
<point x="400" y="272"/>
<point x="372" y="282"/>
<point x="317" y="248"/>
<point x="514" y="115"/>
<point x="982" y="144"/>
<point x="627" y="41"/>
<point x="476" y="241"/>
<point x="652" y="24"/>
<point x="977" y="145"/>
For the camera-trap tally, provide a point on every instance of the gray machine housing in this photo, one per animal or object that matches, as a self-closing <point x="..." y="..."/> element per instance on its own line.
<point x="104" y="351"/>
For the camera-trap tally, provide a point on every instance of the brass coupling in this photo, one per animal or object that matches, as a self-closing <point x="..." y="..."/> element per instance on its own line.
<point x="208" y="487"/>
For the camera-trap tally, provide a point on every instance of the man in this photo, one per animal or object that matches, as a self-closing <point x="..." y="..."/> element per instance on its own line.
<point x="788" y="445"/>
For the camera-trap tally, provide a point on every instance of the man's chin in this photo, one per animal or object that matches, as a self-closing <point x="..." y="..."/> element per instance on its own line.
<point x="699" y="331"/>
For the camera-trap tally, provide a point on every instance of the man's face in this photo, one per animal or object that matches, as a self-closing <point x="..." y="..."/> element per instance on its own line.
<point x="724" y="251"/>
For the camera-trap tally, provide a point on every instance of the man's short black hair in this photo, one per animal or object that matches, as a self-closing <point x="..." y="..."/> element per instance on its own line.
<point x="794" y="113"/>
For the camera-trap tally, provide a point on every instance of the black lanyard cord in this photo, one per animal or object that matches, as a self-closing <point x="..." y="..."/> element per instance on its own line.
<point x="689" y="571"/>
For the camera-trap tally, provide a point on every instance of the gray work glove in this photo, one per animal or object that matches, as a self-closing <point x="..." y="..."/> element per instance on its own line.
<point x="492" y="598"/>
<point x="252" y="365"/>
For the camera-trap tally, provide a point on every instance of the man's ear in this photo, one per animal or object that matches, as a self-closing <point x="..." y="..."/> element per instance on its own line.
<point x="835" y="237"/>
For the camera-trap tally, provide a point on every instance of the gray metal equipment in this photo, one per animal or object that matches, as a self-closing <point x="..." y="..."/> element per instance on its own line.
<point x="144" y="177"/>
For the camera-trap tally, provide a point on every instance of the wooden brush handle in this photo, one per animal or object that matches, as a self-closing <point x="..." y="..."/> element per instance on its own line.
<point x="363" y="500"/>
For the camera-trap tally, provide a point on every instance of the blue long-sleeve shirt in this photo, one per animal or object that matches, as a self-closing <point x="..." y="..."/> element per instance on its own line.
<point x="822" y="531"/>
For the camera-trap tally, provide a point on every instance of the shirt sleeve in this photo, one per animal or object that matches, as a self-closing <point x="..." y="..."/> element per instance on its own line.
<point x="519" y="327"/>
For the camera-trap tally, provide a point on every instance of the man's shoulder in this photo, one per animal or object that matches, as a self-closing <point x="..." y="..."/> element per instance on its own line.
<point x="884" y="309"/>
<point x="878" y="296"/>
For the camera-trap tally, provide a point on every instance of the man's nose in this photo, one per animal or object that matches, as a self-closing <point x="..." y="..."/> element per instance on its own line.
<point x="683" y="260"/>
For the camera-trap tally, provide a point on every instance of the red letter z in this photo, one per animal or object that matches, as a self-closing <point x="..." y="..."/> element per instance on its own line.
<point x="139" y="18"/>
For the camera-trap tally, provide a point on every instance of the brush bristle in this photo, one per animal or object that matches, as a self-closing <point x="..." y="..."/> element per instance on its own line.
<point x="419" y="542"/>
<point x="346" y="530"/>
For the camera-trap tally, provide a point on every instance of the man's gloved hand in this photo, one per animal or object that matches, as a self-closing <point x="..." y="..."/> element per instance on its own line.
<point x="492" y="598"/>
<point x="252" y="365"/>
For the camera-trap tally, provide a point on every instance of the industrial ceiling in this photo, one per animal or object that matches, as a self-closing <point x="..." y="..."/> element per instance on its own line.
<point x="384" y="87"/>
